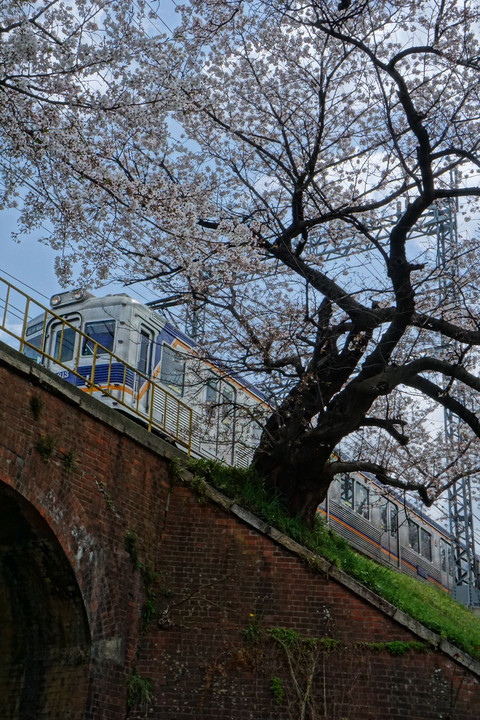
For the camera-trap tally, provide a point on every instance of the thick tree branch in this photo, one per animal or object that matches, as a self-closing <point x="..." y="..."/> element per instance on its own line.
<point x="448" y="329"/>
<point x="382" y="475"/>
<point x="436" y="365"/>
<point x="436" y="393"/>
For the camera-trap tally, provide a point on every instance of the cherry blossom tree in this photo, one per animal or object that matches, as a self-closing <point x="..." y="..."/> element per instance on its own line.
<point x="281" y="164"/>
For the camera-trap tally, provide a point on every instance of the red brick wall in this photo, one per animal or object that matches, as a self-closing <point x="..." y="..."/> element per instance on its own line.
<point x="221" y="587"/>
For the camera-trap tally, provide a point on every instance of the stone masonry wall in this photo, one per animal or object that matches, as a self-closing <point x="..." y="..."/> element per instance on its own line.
<point x="130" y="595"/>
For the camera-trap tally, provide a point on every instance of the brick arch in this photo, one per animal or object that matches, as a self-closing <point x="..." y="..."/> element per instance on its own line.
<point x="46" y="637"/>
<point x="56" y="500"/>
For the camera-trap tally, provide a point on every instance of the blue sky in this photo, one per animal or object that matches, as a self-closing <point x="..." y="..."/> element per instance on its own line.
<point x="30" y="266"/>
<point x="29" y="261"/>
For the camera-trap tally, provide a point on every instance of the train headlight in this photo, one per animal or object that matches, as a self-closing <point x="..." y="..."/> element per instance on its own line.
<point x="71" y="296"/>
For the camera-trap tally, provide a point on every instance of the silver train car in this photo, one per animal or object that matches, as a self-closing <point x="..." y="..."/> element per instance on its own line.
<point x="140" y="363"/>
<point x="129" y="357"/>
<point x="388" y="529"/>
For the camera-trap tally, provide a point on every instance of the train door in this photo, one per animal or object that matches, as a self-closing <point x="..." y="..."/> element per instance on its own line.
<point x="144" y="366"/>
<point x="389" y="526"/>
<point x="61" y="343"/>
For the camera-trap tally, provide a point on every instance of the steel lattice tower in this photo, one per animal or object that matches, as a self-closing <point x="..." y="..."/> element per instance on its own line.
<point x="459" y="494"/>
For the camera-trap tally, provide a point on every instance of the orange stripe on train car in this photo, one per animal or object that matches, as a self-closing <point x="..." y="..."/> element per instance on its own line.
<point x="373" y="542"/>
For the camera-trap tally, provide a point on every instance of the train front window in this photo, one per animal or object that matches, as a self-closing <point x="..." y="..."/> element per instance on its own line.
<point x="101" y="333"/>
<point x="36" y="341"/>
<point x="64" y="344"/>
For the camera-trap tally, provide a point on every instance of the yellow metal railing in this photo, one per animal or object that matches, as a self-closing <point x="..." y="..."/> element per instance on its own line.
<point x="138" y="394"/>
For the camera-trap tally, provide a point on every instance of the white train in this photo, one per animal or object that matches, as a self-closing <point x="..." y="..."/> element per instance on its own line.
<point x="131" y="358"/>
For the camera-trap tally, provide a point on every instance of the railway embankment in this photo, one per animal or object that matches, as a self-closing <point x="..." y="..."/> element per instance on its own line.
<point x="128" y="591"/>
<point x="419" y="600"/>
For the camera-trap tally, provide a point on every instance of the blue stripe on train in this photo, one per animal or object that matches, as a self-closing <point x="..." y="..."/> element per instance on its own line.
<point x="117" y="375"/>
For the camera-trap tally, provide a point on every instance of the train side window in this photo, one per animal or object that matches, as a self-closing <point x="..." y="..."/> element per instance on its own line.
<point x="211" y="397"/>
<point x="101" y="332"/>
<point x="228" y="404"/>
<point x="346" y="490"/>
<point x="425" y="544"/>
<point x="389" y="518"/>
<point x="393" y="519"/>
<point x="172" y="372"/>
<point x="384" y="517"/>
<point x="361" y="500"/>
<point x="354" y="495"/>
<point x="413" y="536"/>
<point x="445" y="556"/>
<point x="211" y="390"/>
<point x="450" y="559"/>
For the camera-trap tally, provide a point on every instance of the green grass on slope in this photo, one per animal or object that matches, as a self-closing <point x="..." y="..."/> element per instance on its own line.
<point x="429" y="605"/>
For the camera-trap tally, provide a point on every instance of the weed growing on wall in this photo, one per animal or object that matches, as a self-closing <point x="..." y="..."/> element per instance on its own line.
<point x="253" y="632"/>
<point x="276" y="686"/>
<point x="394" y="647"/>
<point x="295" y="667"/>
<point x="45" y="446"/>
<point x="69" y="461"/>
<point x="108" y="499"/>
<point x="139" y="692"/>
<point x="149" y="576"/>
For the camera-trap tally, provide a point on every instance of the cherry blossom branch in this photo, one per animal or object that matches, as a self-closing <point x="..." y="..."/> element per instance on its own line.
<point x="390" y="425"/>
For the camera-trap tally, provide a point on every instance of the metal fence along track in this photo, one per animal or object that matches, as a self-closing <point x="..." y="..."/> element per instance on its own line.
<point x="108" y="374"/>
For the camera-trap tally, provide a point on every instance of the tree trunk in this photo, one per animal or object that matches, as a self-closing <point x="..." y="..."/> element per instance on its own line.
<point x="297" y="472"/>
<point x="294" y="456"/>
